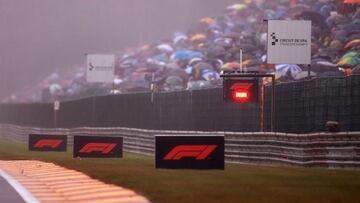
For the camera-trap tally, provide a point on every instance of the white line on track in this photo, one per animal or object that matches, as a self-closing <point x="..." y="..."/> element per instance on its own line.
<point x="23" y="192"/>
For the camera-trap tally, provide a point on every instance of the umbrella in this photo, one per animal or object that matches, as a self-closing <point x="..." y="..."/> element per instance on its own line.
<point x="186" y="55"/>
<point x="284" y="69"/>
<point x="210" y="74"/>
<point x="350" y="58"/>
<point x="335" y="20"/>
<point x="320" y="66"/>
<point x="315" y="18"/>
<point x="136" y="82"/>
<point x="298" y="8"/>
<point x="203" y="65"/>
<point x="233" y="35"/>
<point x="178" y="72"/>
<point x="173" y="83"/>
<point x="216" y="51"/>
<point x="208" y="20"/>
<point x="351" y="1"/>
<point x="165" y="48"/>
<point x="223" y="42"/>
<point x="352" y="43"/>
<point x="199" y="84"/>
<point x="237" y="7"/>
<point x="55" y="88"/>
<point x="336" y="44"/>
<point x="230" y="66"/>
<point x="198" y="37"/>
<point x="304" y="74"/>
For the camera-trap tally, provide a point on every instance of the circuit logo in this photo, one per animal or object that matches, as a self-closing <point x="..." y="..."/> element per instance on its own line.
<point x="104" y="148"/>
<point x="274" y="39"/>
<point x="51" y="143"/>
<point x="199" y="152"/>
<point x="91" y="66"/>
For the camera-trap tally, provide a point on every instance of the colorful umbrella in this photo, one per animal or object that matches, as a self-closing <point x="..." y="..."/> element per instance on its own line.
<point x="230" y="66"/>
<point x="198" y="37"/>
<point x="350" y="58"/>
<point x="351" y="1"/>
<point x="237" y="7"/>
<point x="208" y="20"/>
<point x="352" y="43"/>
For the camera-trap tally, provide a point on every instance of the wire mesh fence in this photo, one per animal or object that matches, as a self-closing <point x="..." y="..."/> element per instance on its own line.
<point x="303" y="106"/>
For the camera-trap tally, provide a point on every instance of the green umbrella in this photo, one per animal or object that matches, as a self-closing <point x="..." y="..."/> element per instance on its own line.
<point x="350" y="58"/>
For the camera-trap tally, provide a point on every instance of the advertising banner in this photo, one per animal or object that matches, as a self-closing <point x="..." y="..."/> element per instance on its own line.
<point x="192" y="152"/>
<point x="98" y="147"/>
<point x="55" y="143"/>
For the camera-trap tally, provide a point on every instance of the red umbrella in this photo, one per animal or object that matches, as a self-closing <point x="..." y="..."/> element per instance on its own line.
<point x="351" y="1"/>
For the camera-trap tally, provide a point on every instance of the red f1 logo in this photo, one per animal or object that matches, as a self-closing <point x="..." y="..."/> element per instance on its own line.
<point x="104" y="148"/>
<point x="48" y="143"/>
<point x="200" y="152"/>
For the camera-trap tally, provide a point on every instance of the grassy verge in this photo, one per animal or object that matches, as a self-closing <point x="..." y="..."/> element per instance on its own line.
<point x="238" y="183"/>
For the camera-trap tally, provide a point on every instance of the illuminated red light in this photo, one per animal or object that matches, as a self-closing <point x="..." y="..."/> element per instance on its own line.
<point x="241" y="95"/>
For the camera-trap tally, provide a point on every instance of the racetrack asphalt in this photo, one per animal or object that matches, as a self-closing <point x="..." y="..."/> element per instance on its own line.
<point x="8" y="193"/>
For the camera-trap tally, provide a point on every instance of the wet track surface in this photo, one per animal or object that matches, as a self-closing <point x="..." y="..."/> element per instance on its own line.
<point x="8" y="194"/>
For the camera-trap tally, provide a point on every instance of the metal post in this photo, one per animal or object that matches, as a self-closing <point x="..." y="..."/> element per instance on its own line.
<point x="273" y="103"/>
<point x="262" y="105"/>
<point x="93" y="112"/>
<point x="152" y="86"/>
<point x="55" y="118"/>
<point x="56" y="108"/>
<point x="113" y="88"/>
<point x="241" y="60"/>
<point x="309" y="72"/>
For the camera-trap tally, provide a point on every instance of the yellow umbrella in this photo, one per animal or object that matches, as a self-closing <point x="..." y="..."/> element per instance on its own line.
<point x="198" y="37"/>
<point x="208" y="20"/>
<point x="352" y="43"/>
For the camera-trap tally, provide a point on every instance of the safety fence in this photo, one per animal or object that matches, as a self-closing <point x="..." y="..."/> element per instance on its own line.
<point x="198" y="110"/>
<point x="305" y="106"/>
<point x="332" y="150"/>
<point x="301" y="107"/>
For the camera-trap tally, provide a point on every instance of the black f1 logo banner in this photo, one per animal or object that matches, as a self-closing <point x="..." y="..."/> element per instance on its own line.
<point x="55" y="143"/>
<point x="196" y="152"/>
<point x="98" y="147"/>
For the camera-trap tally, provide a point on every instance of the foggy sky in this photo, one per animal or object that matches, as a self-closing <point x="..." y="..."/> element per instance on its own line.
<point x="38" y="37"/>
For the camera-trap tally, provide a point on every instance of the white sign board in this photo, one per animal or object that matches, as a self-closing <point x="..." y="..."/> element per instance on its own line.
<point x="100" y="68"/>
<point x="289" y="42"/>
<point x="57" y="105"/>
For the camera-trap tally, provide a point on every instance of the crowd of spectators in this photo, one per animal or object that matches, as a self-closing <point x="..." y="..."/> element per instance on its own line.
<point x="194" y="59"/>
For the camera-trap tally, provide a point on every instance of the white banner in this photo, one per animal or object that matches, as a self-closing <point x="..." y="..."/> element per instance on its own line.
<point x="100" y="68"/>
<point x="289" y="42"/>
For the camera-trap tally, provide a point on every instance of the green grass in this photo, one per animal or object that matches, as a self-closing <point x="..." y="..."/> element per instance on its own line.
<point x="237" y="183"/>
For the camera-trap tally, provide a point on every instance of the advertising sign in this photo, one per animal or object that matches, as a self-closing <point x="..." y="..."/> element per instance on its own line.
<point x="289" y="42"/>
<point x="100" y="68"/>
<point x="55" y="143"/>
<point x="192" y="152"/>
<point x="98" y="147"/>
<point x="56" y="105"/>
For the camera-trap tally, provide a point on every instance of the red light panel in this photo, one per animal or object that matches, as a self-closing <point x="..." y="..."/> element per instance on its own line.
<point x="241" y="95"/>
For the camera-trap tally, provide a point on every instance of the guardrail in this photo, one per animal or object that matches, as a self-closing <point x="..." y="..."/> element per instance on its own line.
<point x="332" y="150"/>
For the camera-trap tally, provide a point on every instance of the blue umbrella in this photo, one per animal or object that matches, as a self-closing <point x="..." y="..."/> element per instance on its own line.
<point x="186" y="55"/>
